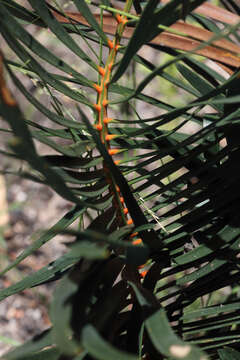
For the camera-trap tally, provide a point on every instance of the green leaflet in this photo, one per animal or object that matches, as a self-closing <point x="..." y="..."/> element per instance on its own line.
<point x="66" y="220"/>
<point x="228" y="354"/>
<point x="22" y="144"/>
<point x="22" y="13"/>
<point x="44" y="110"/>
<point x="226" y="235"/>
<point x="147" y="28"/>
<point x="99" y="348"/>
<point x="161" y="334"/>
<point x="166" y="342"/>
<point x="211" y="310"/>
<point x="84" y="10"/>
<point x="62" y="332"/>
<point x="75" y="149"/>
<point x="32" y="349"/>
<point x="19" y="32"/>
<point x="42" y="73"/>
<point x="58" y="29"/>
<point x="198" y="83"/>
<point x="57" y="268"/>
<point x="72" y="162"/>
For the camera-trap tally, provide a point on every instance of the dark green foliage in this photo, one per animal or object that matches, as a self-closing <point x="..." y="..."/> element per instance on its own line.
<point x="181" y="186"/>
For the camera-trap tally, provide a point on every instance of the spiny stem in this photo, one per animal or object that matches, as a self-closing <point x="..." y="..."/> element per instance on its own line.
<point x="103" y="120"/>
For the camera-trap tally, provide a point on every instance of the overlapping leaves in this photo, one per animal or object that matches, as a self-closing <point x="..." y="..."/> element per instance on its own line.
<point x="183" y="188"/>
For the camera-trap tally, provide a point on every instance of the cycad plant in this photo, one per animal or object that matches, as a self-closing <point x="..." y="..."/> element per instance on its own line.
<point x="147" y="153"/>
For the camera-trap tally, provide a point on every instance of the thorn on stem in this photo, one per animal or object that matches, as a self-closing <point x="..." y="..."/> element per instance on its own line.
<point x="101" y="70"/>
<point x="113" y="151"/>
<point x="98" y="107"/>
<point x="110" y="44"/>
<point x="98" y="88"/>
<point x="99" y="127"/>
